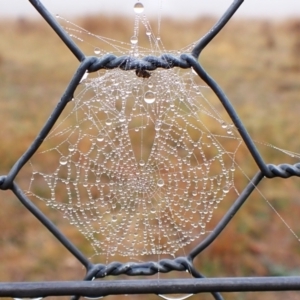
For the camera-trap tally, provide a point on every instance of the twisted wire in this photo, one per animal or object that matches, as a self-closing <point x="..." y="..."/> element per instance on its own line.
<point x="134" y="269"/>
<point x="126" y="63"/>
<point x="284" y="170"/>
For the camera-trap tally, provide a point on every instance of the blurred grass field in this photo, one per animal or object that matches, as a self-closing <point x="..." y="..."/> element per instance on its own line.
<point x="256" y="62"/>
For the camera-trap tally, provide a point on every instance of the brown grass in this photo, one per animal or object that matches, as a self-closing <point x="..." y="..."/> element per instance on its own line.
<point x="256" y="63"/>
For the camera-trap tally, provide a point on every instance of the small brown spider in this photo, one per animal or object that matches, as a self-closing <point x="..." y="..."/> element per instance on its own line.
<point x="142" y="73"/>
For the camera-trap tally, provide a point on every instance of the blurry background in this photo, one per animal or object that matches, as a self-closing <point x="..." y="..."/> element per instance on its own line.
<point x="174" y="8"/>
<point x="255" y="59"/>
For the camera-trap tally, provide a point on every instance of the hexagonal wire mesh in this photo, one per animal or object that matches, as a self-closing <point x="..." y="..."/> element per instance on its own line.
<point x="199" y="284"/>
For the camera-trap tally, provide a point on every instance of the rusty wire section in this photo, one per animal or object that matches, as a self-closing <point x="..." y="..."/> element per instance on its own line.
<point x="91" y="288"/>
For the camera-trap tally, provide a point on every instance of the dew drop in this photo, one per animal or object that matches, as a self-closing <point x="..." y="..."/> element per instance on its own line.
<point x="226" y="189"/>
<point x="39" y="298"/>
<point x="167" y="297"/>
<point x="97" y="51"/>
<point x="142" y="163"/>
<point x="148" y="32"/>
<point x="149" y="97"/>
<point x="160" y="183"/>
<point x="224" y="125"/>
<point x="63" y="160"/>
<point x="108" y="122"/>
<point x="100" y="137"/>
<point x="114" y="218"/>
<point x="85" y="75"/>
<point x="194" y="72"/>
<point x="71" y="148"/>
<point x="134" y="40"/>
<point x="122" y="119"/>
<point x="138" y="8"/>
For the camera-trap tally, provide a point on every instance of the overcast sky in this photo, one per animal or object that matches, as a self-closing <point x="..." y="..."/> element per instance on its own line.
<point x="175" y="8"/>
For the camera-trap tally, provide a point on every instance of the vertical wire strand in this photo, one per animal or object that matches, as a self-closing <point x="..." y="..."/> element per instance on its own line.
<point x="58" y="29"/>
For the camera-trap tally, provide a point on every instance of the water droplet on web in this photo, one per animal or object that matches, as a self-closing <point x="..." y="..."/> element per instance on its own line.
<point x="148" y="32"/>
<point x="100" y="137"/>
<point x="224" y="125"/>
<point x="226" y="189"/>
<point x="63" y="160"/>
<point x="153" y="210"/>
<point x="160" y="183"/>
<point x="134" y="40"/>
<point x="138" y="8"/>
<point x="149" y="97"/>
<point x="114" y="218"/>
<point x="71" y="148"/>
<point x="97" y="51"/>
<point x="108" y="122"/>
<point x="122" y="119"/>
<point x="142" y="163"/>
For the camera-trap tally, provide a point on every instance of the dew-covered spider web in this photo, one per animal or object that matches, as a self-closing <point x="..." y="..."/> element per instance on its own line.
<point x="139" y="161"/>
<point x="136" y="168"/>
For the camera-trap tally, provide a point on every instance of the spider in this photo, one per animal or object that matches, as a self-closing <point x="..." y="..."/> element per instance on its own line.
<point x="142" y="73"/>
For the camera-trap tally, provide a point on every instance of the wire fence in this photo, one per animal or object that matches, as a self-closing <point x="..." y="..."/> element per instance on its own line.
<point x="90" y="288"/>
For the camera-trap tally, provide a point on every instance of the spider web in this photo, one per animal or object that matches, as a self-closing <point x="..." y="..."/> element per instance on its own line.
<point x="138" y="165"/>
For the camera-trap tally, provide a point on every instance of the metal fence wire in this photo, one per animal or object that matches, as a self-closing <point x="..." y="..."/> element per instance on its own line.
<point x="90" y="288"/>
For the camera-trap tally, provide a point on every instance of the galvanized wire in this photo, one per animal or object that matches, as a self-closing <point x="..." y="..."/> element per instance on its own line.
<point x="200" y="284"/>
